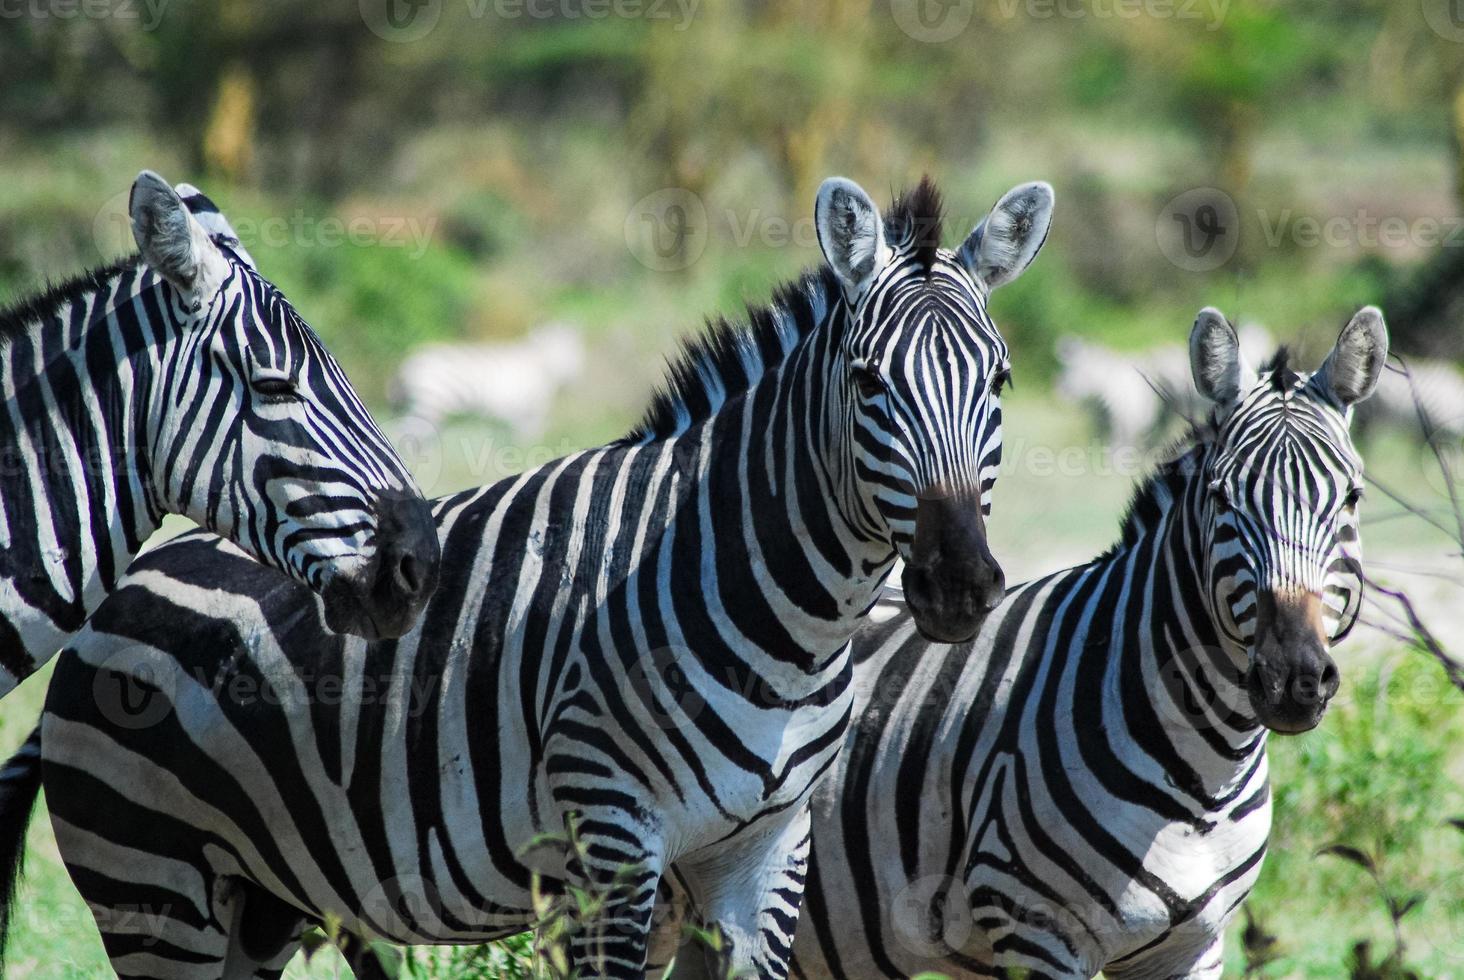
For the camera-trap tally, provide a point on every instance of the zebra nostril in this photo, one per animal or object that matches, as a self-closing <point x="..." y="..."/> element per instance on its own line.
<point x="408" y="574"/>
<point x="1331" y="680"/>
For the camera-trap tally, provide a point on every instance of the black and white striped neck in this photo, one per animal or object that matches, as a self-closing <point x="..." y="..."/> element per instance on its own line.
<point x="78" y="373"/>
<point x="1173" y="657"/>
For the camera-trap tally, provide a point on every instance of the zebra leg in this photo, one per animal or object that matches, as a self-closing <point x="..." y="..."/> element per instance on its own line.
<point x="747" y="898"/>
<point x="237" y="964"/>
<point x="613" y="869"/>
<point x="362" y="959"/>
<point x="157" y="917"/>
<point x="175" y="938"/>
<point x="668" y="941"/>
<point x="263" y="932"/>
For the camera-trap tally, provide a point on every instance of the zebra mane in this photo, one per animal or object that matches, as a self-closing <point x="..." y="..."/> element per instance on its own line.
<point x="1283" y="378"/>
<point x="1157" y="491"/>
<point x="17" y="318"/>
<point x="914" y="223"/>
<point x="729" y="357"/>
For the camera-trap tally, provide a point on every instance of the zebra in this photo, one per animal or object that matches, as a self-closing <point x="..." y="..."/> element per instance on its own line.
<point x="181" y="381"/>
<point x="514" y="383"/>
<point x="1084" y="788"/>
<point x="1421" y="397"/>
<point x="643" y="646"/>
<point x="1133" y="399"/>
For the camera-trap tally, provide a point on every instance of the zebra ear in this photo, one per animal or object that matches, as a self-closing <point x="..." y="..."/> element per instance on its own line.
<point x="172" y="242"/>
<point x="1009" y="238"/>
<point x="207" y="213"/>
<point x="1215" y="358"/>
<point x="851" y="234"/>
<point x="1351" y="371"/>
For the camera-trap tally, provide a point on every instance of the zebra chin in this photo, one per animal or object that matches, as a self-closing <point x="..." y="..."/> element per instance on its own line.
<point x="381" y="599"/>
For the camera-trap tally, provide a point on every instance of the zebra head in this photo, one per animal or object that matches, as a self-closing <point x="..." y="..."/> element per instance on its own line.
<point x="256" y="434"/>
<point x="1282" y="486"/>
<point x="917" y="377"/>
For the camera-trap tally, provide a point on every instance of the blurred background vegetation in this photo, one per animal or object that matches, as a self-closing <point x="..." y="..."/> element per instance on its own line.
<point x="446" y="170"/>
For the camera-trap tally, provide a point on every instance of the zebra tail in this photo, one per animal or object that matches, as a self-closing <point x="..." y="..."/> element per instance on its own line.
<point x="20" y="784"/>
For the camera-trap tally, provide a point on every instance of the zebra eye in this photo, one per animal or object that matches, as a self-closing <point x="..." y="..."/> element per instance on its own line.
<point x="1353" y="496"/>
<point x="273" y="386"/>
<point x="869" y="383"/>
<point x="1001" y="380"/>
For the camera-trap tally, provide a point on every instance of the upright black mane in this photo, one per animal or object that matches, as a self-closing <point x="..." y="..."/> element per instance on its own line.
<point x="1146" y="502"/>
<point x="1283" y="378"/>
<point x="914" y="223"/>
<point x="16" y="318"/>
<point x="729" y="357"/>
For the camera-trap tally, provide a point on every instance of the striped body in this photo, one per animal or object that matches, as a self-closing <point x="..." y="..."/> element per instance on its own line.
<point x="645" y="644"/>
<point x="1067" y="817"/>
<point x="1084" y="788"/>
<point x="449" y="751"/>
<point x="122" y="401"/>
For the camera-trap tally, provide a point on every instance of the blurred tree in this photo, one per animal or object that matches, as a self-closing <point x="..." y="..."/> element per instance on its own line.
<point x="228" y="144"/>
<point x="1222" y="77"/>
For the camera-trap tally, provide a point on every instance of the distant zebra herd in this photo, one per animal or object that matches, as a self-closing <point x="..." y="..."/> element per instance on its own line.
<point x="1138" y="400"/>
<point x="665" y="681"/>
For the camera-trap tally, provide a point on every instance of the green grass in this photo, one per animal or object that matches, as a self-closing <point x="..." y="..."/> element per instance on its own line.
<point x="1382" y="774"/>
